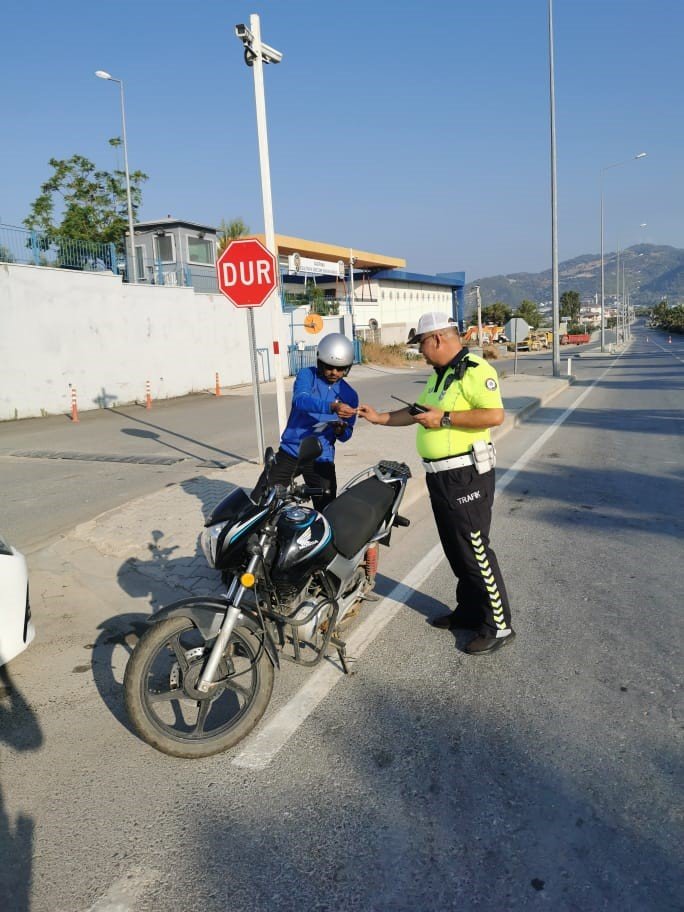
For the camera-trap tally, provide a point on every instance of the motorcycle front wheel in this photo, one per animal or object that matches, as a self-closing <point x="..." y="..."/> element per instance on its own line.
<point x="167" y="710"/>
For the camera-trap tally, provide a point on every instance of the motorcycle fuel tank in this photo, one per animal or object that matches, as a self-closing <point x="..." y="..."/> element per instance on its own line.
<point x="304" y="538"/>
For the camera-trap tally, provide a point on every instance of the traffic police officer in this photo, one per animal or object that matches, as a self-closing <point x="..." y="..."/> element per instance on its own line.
<point x="461" y="402"/>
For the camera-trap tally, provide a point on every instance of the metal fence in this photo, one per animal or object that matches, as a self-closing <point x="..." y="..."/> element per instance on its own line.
<point x="35" y="248"/>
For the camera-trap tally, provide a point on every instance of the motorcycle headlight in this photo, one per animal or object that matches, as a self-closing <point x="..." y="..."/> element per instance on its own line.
<point x="209" y="542"/>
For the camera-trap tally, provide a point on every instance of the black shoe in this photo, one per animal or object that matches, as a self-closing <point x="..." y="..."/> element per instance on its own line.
<point x="452" y="621"/>
<point x="485" y="645"/>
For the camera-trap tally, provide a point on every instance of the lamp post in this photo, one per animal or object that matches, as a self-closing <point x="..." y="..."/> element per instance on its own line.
<point x="101" y="74"/>
<point x="554" y="215"/>
<point x="257" y="52"/>
<point x="603" y="280"/>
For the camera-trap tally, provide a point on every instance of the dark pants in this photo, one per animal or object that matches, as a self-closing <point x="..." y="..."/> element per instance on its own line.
<point x="462" y="506"/>
<point x="317" y="474"/>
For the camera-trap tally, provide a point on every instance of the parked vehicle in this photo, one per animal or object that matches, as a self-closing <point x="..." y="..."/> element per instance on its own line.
<point x="574" y="338"/>
<point x="201" y="676"/>
<point x="16" y="626"/>
<point x="523" y="345"/>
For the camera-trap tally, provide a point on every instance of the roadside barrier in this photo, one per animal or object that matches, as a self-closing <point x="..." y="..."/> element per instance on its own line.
<point x="148" y="395"/>
<point x="217" y="389"/>
<point x="74" y="406"/>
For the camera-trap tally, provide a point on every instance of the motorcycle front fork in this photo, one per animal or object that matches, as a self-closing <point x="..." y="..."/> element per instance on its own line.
<point x="235" y="595"/>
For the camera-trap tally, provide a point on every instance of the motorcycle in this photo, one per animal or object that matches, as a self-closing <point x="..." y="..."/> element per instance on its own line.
<point x="200" y="678"/>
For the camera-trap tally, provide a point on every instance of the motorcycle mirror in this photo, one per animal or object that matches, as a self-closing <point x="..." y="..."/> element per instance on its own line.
<point x="309" y="449"/>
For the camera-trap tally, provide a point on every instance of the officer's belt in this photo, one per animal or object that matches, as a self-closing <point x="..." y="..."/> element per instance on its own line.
<point x="451" y="462"/>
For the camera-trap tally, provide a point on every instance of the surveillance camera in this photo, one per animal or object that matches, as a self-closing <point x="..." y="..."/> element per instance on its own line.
<point x="243" y="32"/>
<point x="269" y="54"/>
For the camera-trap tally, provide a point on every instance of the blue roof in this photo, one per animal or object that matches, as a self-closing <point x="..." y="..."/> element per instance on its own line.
<point x="447" y="279"/>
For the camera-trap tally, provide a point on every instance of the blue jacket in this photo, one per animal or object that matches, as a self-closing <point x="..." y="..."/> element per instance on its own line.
<point x="311" y="401"/>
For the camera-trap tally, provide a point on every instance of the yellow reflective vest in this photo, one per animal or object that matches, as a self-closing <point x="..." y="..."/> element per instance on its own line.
<point x="478" y="389"/>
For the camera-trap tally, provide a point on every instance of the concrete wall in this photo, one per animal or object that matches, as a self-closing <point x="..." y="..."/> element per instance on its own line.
<point x="107" y="339"/>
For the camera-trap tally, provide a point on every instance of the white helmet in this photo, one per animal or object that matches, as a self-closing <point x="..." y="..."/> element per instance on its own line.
<point x="336" y="350"/>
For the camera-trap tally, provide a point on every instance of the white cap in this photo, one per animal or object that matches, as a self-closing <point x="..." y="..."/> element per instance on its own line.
<point x="431" y="322"/>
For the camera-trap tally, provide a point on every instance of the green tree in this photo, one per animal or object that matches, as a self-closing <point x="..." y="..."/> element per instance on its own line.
<point x="570" y="306"/>
<point x="529" y="312"/>
<point x="230" y="231"/>
<point x="315" y="298"/>
<point x="498" y="313"/>
<point x="93" y="202"/>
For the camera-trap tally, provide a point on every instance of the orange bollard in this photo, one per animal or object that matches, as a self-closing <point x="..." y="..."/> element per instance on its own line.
<point x="217" y="390"/>
<point x="148" y="395"/>
<point x="74" y="406"/>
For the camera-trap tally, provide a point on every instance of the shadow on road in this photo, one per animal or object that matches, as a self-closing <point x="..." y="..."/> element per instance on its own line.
<point x="439" y="804"/>
<point x="20" y="731"/>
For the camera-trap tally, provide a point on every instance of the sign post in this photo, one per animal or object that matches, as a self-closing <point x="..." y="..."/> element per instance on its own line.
<point x="246" y="273"/>
<point x="515" y="329"/>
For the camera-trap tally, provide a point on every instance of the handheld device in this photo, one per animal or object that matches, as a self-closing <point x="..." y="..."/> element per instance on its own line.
<point x="413" y="407"/>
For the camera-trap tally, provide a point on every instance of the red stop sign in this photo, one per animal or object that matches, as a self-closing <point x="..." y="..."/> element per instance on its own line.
<point x="246" y="272"/>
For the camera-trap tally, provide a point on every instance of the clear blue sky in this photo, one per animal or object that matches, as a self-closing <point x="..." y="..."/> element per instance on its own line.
<point x="414" y="129"/>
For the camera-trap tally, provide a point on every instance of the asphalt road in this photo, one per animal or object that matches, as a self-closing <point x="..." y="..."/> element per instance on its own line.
<point x="546" y="776"/>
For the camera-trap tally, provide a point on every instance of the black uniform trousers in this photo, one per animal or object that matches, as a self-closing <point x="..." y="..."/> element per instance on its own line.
<point x="462" y="506"/>
<point x="318" y="474"/>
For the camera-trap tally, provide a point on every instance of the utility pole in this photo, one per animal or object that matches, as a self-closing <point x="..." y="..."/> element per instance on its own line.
<point x="478" y="300"/>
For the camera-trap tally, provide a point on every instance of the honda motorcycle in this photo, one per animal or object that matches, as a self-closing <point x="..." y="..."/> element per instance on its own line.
<point x="201" y="676"/>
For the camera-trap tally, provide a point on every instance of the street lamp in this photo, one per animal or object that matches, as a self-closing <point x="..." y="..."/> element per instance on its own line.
<point x="555" y="315"/>
<point x="257" y="53"/>
<point x="603" y="280"/>
<point x="101" y="74"/>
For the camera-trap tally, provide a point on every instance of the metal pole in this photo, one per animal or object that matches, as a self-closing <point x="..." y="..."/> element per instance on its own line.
<point x="479" y="315"/>
<point x="258" y="414"/>
<point x="603" y="280"/>
<point x="269" y="229"/>
<point x="515" y="345"/>
<point x="617" y="297"/>
<point x="352" y="260"/>
<point x="554" y="213"/>
<point x="603" y="306"/>
<point x="134" y="267"/>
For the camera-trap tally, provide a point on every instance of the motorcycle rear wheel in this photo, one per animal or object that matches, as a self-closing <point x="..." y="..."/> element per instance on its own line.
<point x="169" y="713"/>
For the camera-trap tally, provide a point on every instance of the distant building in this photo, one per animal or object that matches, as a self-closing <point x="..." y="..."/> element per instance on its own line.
<point x="173" y="251"/>
<point x="384" y="299"/>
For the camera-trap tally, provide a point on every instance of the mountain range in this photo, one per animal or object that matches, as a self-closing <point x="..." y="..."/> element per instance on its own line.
<point x="651" y="272"/>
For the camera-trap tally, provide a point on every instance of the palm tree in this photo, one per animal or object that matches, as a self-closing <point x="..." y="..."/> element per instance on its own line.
<point x="229" y="231"/>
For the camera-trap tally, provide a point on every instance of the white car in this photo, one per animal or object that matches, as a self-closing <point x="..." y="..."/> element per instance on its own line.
<point x="16" y="626"/>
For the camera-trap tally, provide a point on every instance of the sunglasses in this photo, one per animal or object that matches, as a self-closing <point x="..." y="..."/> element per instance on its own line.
<point x="424" y="340"/>
<point x="332" y="367"/>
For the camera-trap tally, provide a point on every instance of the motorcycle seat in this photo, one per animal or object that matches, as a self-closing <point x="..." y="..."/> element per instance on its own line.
<point x="357" y="514"/>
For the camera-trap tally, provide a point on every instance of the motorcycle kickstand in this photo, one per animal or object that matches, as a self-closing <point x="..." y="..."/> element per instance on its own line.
<point x="370" y="597"/>
<point x="341" y="648"/>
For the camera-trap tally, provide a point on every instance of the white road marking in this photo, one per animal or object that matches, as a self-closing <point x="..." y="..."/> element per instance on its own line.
<point x="532" y="451"/>
<point x="124" y="891"/>
<point x="261" y="747"/>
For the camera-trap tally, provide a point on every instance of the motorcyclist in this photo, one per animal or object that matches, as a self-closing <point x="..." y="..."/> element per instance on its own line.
<point x="323" y="405"/>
